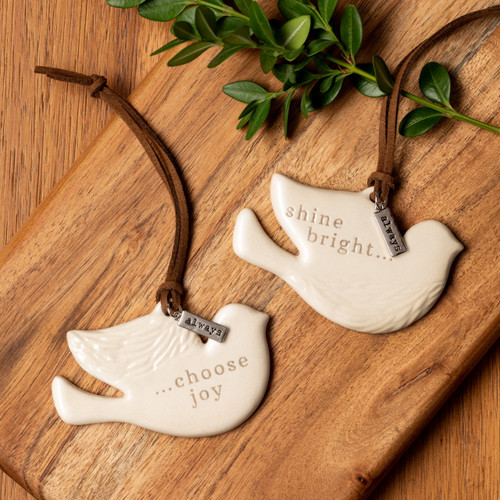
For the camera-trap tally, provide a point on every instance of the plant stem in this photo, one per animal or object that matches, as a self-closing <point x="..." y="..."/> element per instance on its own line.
<point x="329" y="30"/>
<point x="450" y="113"/>
<point x="226" y="10"/>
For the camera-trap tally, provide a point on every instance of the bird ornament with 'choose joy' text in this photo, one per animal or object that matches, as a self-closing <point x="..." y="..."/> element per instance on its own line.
<point x="172" y="382"/>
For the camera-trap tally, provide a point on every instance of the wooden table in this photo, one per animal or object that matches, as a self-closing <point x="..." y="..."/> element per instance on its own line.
<point x="457" y="456"/>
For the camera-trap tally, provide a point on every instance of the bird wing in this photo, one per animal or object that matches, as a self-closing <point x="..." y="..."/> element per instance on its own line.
<point x="128" y="351"/>
<point x="372" y="306"/>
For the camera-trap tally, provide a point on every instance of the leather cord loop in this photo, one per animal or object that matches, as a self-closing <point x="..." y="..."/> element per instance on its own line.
<point x="389" y="113"/>
<point x="170" y="286"/>
<point x="170" y="292"/>
<point x="383" y="184"/>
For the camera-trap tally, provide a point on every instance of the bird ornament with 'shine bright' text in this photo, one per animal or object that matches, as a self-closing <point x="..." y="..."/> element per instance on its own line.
<point x="344" y="269"/>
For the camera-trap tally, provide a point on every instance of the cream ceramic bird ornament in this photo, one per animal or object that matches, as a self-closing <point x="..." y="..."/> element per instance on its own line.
<point x="344" y="269"/>
<point x="172" y="382"/>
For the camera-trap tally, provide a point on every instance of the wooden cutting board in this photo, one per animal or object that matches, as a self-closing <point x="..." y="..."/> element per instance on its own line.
<point x="341" y="406"/>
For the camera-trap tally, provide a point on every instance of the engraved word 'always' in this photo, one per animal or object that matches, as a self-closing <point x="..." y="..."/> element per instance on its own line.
<point x="200" y="327"/>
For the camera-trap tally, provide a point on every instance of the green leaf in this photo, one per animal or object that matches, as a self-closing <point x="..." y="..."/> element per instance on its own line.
<point x="224" y="54"/>
<point x="260" y="25"/>
<point x="248" y="109"/>
<point x="321" y="65"/>
<point x="268" y="59"/>
<point x="326" y="8"/>
<point x="320" y="99"/>
<point x="302" y="64"/>
<point x="325" y="35"/>
<point x="240" y="37"/>
<point x="186" y="16"/>
<point x="435" y="83"/>
<point x="317" y="46"/>
<point x="286" y="111"/>
<point x="292" y="54"/>
<point x="125" y="4"/>
<point x="244" y="121"/>
<point x="351" y="29"/>
<point x="167" y="46"/>
<point x="189" y="53"/>
<point x="244" y="6"/>
<point x="294" y="33"/>
<point x="245" y="91"/>
<point x="258" y="118"/>
<point x="283" y="72"/>
<point x="326" y="83"/>
<point x="304" y="76"/>
<point x="303" y="102"/>
<point x="162" y="10"/>
<point x="205" y="22"/>
<point x="419" y="121"/>
<point x="384" y="78"/>
<point x="367" y="87"/>
<point x="228" y="25"/>
<point x="291" y="9"/>
<point x="184" y="31"/>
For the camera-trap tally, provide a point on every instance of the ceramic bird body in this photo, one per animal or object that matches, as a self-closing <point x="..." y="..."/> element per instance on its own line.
<point x="344" y="269"/>
<point x="172" y="382"/>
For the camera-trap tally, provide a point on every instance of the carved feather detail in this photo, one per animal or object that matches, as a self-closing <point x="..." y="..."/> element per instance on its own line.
<point x="390" y="304"/>
<point x="132" y="349"/>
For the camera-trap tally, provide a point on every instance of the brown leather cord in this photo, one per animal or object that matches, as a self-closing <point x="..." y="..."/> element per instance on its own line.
<point x="170" y="292"/>
<point x="382" y="179"/>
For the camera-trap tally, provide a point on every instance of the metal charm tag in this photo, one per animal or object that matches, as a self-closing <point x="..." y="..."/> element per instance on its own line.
<point x="202" y="326"/>
<point x="390" y="232"/>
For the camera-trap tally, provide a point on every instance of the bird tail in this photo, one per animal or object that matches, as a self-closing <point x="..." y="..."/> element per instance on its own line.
<point x="78" y="407"/>
<point x="251" y="243"/>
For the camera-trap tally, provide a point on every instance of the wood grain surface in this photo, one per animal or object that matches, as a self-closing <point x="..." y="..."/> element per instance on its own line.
<point x="93" y="255"/>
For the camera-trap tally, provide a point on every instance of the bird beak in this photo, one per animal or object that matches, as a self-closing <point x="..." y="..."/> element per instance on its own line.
<point x="457" y="247"/>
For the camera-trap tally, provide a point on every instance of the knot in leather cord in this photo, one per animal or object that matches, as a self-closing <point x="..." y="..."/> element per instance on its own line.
<point x="97" y="85"/>
<point x="171" y="290"/>
<point x="95" y="82"/>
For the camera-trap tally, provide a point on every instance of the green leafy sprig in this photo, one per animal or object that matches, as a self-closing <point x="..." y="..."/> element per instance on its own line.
<point x="304" y="51"/>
